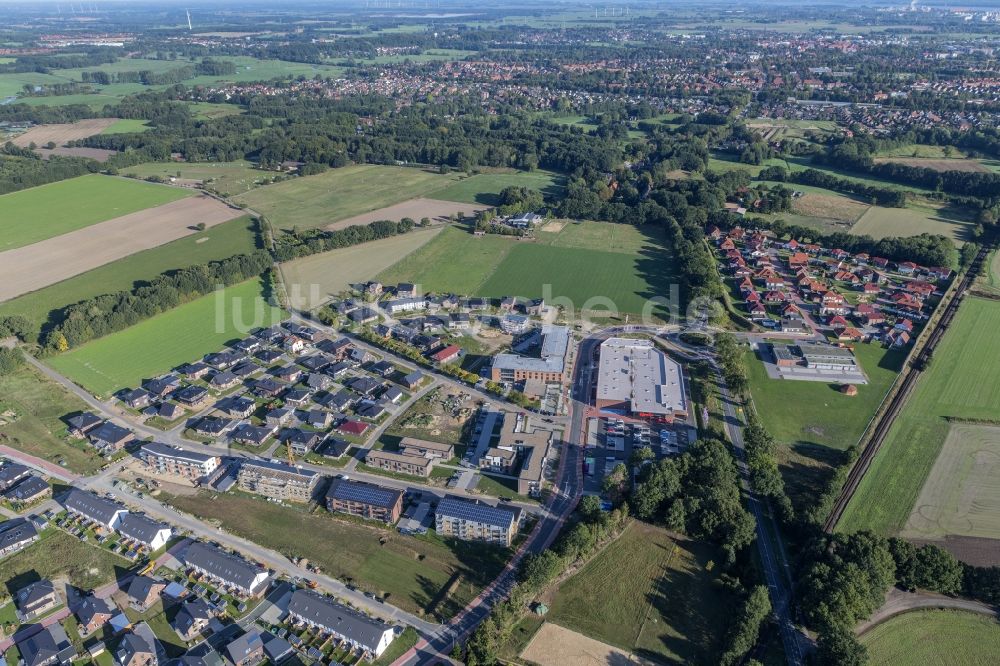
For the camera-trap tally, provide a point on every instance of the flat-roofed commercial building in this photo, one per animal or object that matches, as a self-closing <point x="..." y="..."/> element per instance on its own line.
<point x="165" y="459"/>
<point x="827" y="357"/>
<point x="547" y="368"/>
<point x="636" y="378"/>
<point x="365" y="500"/>
<point x="399" y="463"/>
<point x="476" y="521"/>
<point x="277" y="480"/>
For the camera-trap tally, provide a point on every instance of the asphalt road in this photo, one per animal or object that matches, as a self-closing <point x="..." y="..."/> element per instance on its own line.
<point x="773" y="558"/>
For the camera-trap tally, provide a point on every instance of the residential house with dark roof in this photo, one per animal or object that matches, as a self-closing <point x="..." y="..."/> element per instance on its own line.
<point x="144" y="530"/>
<point x="83" y="423"/>
<point x="201" y="654"/>
<point x="136" y="398"/>
<point x="30" y="489"/>
<point x="47" y="647"/>
<point x="109" y="437"/>
<point x="192" y="618"/>
<point x="253" y="435"/>
<point x="231" y="571"/>
<point x="358" y="630"/>
<point x="247" y="650"/>
<point x="36" y="599"/>
<point x="92" y="614"/>
<point x="137" y="648"/>
<point x="16" y="534"/>
<point x="143" y="592"/>
<point x="96" y="509"/>
<point x="11" y="474"/>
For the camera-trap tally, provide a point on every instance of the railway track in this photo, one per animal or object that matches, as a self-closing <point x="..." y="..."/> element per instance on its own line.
<point x="913" y="371"/>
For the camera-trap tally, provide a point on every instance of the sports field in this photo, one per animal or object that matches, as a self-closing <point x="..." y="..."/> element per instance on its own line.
<point x="564" y="264"/>
<point x="177" y="336"/>
<point x="916" y="218"/>
<point x="316" y="201"/>
<point x="51" y="210"/>
<point x="650" y="595"/>
<point x="940" y="637"/>
<point x="485" y="188"/>
<point x="225" y="240"/>
<point x="310" y="281"/>
<point x="961" y="383"/>
<point x="227" y="178"/>
<point x="961" y="495"/>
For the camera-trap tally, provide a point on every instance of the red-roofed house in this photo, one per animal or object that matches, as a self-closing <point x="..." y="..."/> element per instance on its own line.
<point x="351" y="427"/>
<point x="448" y="354"/>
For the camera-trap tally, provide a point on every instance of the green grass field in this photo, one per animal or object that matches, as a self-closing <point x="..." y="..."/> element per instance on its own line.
<point x="940" y="637"/>
<point x="812" y="421"/>
<point x="916" y="218"/>
<point x="39" y="405"/>
<point x="58" y="208"/>
<point x="219" y="242"/>
<point x="648" y="594"/>
<point x="180" y="335"/>
<point x="590" y="279"/>
<point x="485" y="188"/>
<point x="961" y="382"/>
<point x="422" y="575"/>
<point x="635" y="269"/>
<point x="126" y="126"/>
<point x="227" y="178"/>
<point x="454" y="261"/>
<point x="315" y="201"/>
<point x="59" y="554"/>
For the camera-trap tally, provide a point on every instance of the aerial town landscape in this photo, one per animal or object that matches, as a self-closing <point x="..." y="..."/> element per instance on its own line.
<point x="438" y="332"/>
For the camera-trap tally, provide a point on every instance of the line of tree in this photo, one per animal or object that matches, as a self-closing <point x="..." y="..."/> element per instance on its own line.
<point x="20" y="168"/>
<point x="304" y="242"/>
<point x="879" y="196"/>
<point x="98" y="316"/>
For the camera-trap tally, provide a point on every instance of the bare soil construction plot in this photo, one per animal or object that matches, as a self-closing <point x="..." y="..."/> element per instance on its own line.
<point x="49" y="261"/>
<point x="416" y="209"/>
<point x="64" y="132"/>
<point x="311" y="281"/>
<point x="556" y="646"/>
<point x="960" y="501"/>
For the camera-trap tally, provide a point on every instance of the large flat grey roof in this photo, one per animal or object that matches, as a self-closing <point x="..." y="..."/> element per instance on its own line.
<point x="555" y="341"/>
<point x="634" y="371"/>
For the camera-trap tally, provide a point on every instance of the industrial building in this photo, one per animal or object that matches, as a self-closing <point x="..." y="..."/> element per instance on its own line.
<point x="637" y="379"/>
